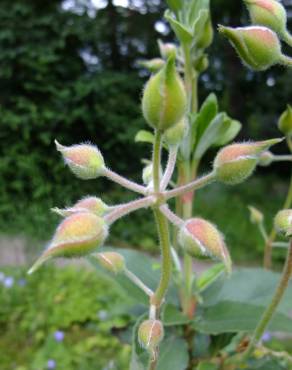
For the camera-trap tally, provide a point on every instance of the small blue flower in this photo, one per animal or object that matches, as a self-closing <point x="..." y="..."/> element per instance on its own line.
<point x="59" y="335"/>
<point x="8" y="281"/>
<point x="51" y="364"/>
<point x="21" y="282"/>
<point x="266" y="337"/>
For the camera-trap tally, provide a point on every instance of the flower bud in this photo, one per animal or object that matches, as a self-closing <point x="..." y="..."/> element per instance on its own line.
<point x="256" y="217"/>
<point x="150" y="334"/>
<point x="111" y="261"/>
<point x="164" y="99"/>
<point x="266" y="158"/>
<point x="206" y="38"/>
<point x="84" y="160"/>
<point x="88" y="204"/>
<point x="236" y="162"/>
<point x="153" y="65"/>
<point x="201" y="63"/>
<point x="78" y="235"/>
<point x="167" y="50"/>
<point x="268" y="13"/>
<point x="283" y="222"/>
<point x="285" y="122"/>
<point x="199" y="238"/>
<point x="258" y="47"/>
<point x="174" y="135"/>
<point x="147" y="174"/>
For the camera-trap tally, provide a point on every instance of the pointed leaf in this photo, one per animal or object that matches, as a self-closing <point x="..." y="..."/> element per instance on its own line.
<point x="144" y="136"/>
<point x="229" y="134"/>
<point x="182" y="33"/>
<point x="173" y="354"/>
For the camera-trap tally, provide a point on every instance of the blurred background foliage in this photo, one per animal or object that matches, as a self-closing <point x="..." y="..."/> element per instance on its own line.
<point x="68" y="70"/>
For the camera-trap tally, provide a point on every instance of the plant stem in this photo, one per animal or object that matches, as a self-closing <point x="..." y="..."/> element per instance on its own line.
<point x="282" y="158"/>
<point x="169" y="168"/>
<point x="157" y="160"/>
<point x="286" y="61"/>
<point x="287" y="38"/>
<point x="134" y="278"/>
<point x="127" y="208"/>
<point x="124" y="182"/>
<point x="270" y="310"/>
<point x="172" y="217"/>
<point x="196" y="184"/>
<point x="263" y="231"/>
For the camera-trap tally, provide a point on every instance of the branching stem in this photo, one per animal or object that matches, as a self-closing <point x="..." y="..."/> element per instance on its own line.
<point x="169" y="167"/>
<point x="134" y="278"/>
<point x="113" y="176"/>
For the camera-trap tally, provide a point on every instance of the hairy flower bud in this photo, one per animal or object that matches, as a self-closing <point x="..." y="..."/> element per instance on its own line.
<point x="78" y="235"/>
<point x="88" y="204"/>
<point x="268" y="13"/>
<point x="199" y="237"/>
<point x="266" y="158"/>
<point x="164" y="99"/>
<point x="256" y="217"/>
<point x="167" y="49"/>
<point x="84" y="160"/>
<point x="150" y="334"/>
<point x="283" y="222"/>
<point x="285" y="121"/>
<point x="174" y="135"/>
<point x="111" y="261"/>
<point x="236" y="162"/>
<point x="258" y="47"/>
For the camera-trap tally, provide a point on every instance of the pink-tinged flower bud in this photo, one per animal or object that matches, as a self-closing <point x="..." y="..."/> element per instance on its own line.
<point x="258" y="47"/>
<point x="268" y="13"/>
<point x="167" y="50"/>
<point x="150" y="334"/>
<point x="153" y="65"/>
<point x="201" y="238"/>
<point x="283" y="222"/>
<point x="236" y="162"/>
<point x="164" y="100"/>
<point x="285" y="121"/>
<point x="174" y="135"/>
<point x="266" y="158"/>
<point x="111" y="261"/>
<point x="84" y="160"/>
<point x="88" y="204"/>
<point x="256" y="217"/>
<point x="78" y="235"/>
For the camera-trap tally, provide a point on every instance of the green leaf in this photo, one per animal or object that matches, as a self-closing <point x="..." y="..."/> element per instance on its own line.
<point x="144" y="136"/>
<point x="229" y="134"/>
<point x="175" y="5"/>
<point x="194" y="8"/>
<point x="202" y="120"/>
<point x="209" y="276"/>
<point x="200" y="23"/>
<point x="182" y="33"/>
<point x="173" y="354"/>
<point x="236" y="304"/>
<point x="142" y="266"/>
<point x="171" y="316"/>
<point x="207" y="366"/>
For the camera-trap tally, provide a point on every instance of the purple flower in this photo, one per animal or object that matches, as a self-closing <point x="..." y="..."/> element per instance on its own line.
<point x="8" y="281"/>
<point x="51" y="364"/>
<point x="59" y="335"/>
<point x="266" y="337"/>
<point x="21" y="282"/>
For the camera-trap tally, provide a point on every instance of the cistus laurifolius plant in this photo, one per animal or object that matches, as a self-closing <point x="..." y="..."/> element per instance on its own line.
<point x="185" y="321"/>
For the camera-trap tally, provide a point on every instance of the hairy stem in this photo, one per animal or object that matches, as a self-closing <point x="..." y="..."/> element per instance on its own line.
<point x="134" y="278"/>
<point x="270" y="310"/>
<point x="127" y="208"/>
<point x="194" y="185"/>
<point x="157" y="160"/>
<point x="287" y="37"/>
<point x="172" y="217"/>
<point x="169" y="167"/>
<point x="124" y="182"/>
<point x="282" y="158"/>
<point x="286" y="61"/>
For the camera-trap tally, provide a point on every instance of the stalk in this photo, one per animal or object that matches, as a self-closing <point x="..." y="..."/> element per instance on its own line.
<point x="270" y="310"/>
<point x="113" y="176"/>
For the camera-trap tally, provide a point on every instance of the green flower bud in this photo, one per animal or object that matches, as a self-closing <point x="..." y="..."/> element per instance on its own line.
<point x="256" y="217"/>
<point x="201" y="63"/>
<point x="147" y="174"/>
<point x="266" y="158"/>
<point x="167" y="50"/>
<point x="201" y="238"/>
<point x="164" y="99"/>
<point x="78" y="235"/>
<point x="285" y="121"/>
<point x="150" y="334"/>
<point x="111" y="261"/>
<point x="258" y="47"/>
<point x="153" y="65"/>
<point x="268" y="13"/>
<point x="174" y="135"/>
<point x="206" y="38"/>
<point x="283" y="222"/>
<point x="236" y="162"/>
<point x="84" y="160"/>
<point x="91" y="204"/>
